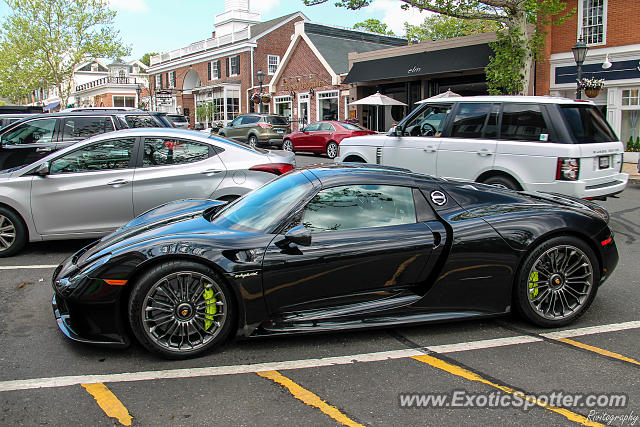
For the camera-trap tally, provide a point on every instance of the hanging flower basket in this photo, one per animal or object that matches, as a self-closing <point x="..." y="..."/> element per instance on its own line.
<point x="255" y="98"/>
<point x="591" y="87"/>
<point x="265" y="98"/>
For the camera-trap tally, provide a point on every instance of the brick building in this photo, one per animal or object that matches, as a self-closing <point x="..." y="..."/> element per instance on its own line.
<point x="308" y="85"/>
<point x="222" y="69"/>
<point x="609" y="28"/>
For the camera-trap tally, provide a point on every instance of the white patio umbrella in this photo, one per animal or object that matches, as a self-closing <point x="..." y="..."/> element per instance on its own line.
<point x="447" y="94"/>
<point x="377" y="99"/>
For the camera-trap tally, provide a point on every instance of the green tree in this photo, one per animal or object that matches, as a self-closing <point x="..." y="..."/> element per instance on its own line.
<point x="46" y="39"/>
<point x="375" y="26"/>
<point x="440" y="27"/>
<point x="517" y="46"/>
<point x="146" y="58"/>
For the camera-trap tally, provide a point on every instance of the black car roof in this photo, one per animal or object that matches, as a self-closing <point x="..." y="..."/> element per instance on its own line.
<point x="329" y="174"/>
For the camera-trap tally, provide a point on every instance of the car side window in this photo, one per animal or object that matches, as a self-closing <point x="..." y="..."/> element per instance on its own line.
<point x="359" y="206"/>
<point x="237" y="121"/>
<point x="312" y="127"/>
<point x="429" y="122"/>
<point x="170" y="151"/>
<point x="31" y="132"/>
<point x="85" y="127"/>
<point x="247" y="120"/>
<point x="327" y="127"/>
<point x="469" y="120"/>
<point x="104" y="155"/>
<point x="523" y="122"/>
<point x="141" y="121"/>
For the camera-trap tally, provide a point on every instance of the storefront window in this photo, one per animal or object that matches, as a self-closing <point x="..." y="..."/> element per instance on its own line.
<point x="218" y="104"/>
<point x="328" y="105"/>
<point x="233" y="104"/>
<point x="283" y="106"/>
<point x="631" y="97"/>
<point x="124" y="101"/>
<point x="630" y="128"/>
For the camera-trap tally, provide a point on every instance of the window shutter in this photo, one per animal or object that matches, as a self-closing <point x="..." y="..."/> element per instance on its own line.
<point x="209" y="70"/>
<point x="238" y="64"/>
<point x="228" y="64"/>
<point x="218" y="71"/>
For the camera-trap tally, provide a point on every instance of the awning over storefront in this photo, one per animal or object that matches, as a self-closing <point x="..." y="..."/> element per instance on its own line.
<point x="466" y="58"/>
<point x="51" y="106"/>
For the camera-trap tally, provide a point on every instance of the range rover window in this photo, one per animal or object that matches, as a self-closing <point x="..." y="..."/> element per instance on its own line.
<point x="523" y="122"/>
<point x="428" y="122"/>
<point x="31" y="132"/>
<point x="586" y="124"/>
<point x="104" y="155"/>
<point x="85" y="127"/>
<point x="359" y="206"/>
<point x="469" y="120"/>
<point x="169" y="151"/>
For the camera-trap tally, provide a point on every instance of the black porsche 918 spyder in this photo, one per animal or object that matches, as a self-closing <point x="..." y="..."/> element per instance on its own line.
<point x="334" y="247"/>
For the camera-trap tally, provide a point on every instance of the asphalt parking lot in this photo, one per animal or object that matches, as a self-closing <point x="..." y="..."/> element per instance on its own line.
<point x="351" y="378"/>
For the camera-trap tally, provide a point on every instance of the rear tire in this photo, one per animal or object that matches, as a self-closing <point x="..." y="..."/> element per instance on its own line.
<point x="502" y="181"/>
<point x="557" y="282"/>
<point x="354" y="159"/>
<point x="332" y="150"/>
<point x="253" y="141"/>
<point x="181" y="309"/>
<point x="287" y="145"/>
<point x="13" y="233"/>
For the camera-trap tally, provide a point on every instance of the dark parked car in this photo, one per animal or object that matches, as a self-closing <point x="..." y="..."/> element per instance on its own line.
<point x="257" y="130"/>
<point x="330" y="248"/>
<point x="322" y="137"/>
<point x="33" y="137"/>
<point x="7" y="119"/>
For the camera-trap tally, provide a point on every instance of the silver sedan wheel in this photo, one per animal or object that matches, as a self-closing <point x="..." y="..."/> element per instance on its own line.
<point x="560" y="282"/>
<point x="184" y="311"/>
<point x="7" y="233"/>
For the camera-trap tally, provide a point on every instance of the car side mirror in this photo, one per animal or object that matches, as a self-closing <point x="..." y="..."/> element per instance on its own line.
<point x="43" y="170"/>
<point x="398" y="131"/>
<point x="230" y="124"/>
<point x="300" y="235"/>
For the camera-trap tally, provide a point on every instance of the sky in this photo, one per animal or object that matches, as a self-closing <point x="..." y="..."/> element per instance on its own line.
<point x="164" y="25"/>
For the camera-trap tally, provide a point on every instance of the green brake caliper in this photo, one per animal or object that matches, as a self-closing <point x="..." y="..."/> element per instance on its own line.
<point x="533" y="285"/>
<point x="211" y="307"/>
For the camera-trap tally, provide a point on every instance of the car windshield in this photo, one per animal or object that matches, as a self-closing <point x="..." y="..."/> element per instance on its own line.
<point x="587" y="125"/>
<point x="260" y="209"/>
<point x="276" y="120"/>
<point x="351" y="126"/>
<point x="177" y="118"/>
<point x="237" y="144"/>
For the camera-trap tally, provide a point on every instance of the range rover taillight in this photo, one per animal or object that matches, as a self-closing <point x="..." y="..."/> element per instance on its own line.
<point x="568" y="169"/>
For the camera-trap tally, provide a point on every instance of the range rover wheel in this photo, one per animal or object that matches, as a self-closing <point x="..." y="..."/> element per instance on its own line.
<point x="501" y="181"/>
<point x="13" y="233"/>
<point x="557" y="282"/>
<point x="332" y="150"/>
<point x="181" y="309"/>
<point x="287" y="145"/>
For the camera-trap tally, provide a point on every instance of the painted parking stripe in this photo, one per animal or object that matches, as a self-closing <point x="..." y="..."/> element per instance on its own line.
<point x="591" y="330"/>
<point x="63" y="381"/>
<point x="472" y="376"/>
<point x="109" y="403"/>
<point x="26" y="267"/>
<point x="600" y="351"/>
<point x="309" y="398"/>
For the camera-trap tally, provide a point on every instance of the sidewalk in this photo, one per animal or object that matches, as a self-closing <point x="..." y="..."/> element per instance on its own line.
<point x="632" y="170"/>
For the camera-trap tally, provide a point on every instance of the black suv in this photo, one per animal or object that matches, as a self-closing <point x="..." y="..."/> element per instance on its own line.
<point x="33" y="137"/>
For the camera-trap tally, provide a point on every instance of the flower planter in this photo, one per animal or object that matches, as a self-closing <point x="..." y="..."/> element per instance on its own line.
<point x="266" y="99"/>
<point x="630" y="157"/>
<point x="592" y="93"/>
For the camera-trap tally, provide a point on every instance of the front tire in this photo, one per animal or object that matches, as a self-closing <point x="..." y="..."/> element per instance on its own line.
<point x="13" y="233"/>
<point x="557" y="282"/>
<point x="181" y="309"/>
<point x="332" y="150"/>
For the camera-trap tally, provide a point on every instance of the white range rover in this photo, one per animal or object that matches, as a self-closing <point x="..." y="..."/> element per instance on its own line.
<point x="519" y="142"/>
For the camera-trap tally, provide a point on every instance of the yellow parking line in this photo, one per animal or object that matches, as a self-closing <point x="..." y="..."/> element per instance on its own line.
<point x="472" y="376"/>
<point x="109" y="403"/>
<point x="309" y="398"/>
<point x="599" y="351"/>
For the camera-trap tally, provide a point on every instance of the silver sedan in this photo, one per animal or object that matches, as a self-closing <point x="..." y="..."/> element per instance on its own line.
<point x="93" y="187"/>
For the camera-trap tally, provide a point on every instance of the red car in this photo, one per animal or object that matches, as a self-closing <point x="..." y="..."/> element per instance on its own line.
<point x="322" y="137"/>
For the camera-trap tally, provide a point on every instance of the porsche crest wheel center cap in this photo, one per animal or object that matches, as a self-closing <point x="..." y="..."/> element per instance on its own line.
<point x="556" y="281"/>
<point x="184" y="311"/>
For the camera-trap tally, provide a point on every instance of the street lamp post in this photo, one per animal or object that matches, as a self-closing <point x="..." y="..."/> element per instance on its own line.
<point x="260" y="76"/>
<point x="579" y="54"/>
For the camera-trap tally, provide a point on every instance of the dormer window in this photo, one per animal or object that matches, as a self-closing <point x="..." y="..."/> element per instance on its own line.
<point x="94" y="67"/>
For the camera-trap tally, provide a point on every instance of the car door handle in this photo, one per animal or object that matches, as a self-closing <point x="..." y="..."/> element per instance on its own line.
<point x="118" y="182"/>
<point x="484" y="152"/>
<point x="211" y="171"/>
<point x="429" y="149"/>
<point x="44" y="149"/>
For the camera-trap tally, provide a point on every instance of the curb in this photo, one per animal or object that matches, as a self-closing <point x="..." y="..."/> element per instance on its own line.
<point x="634" y="181"/>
